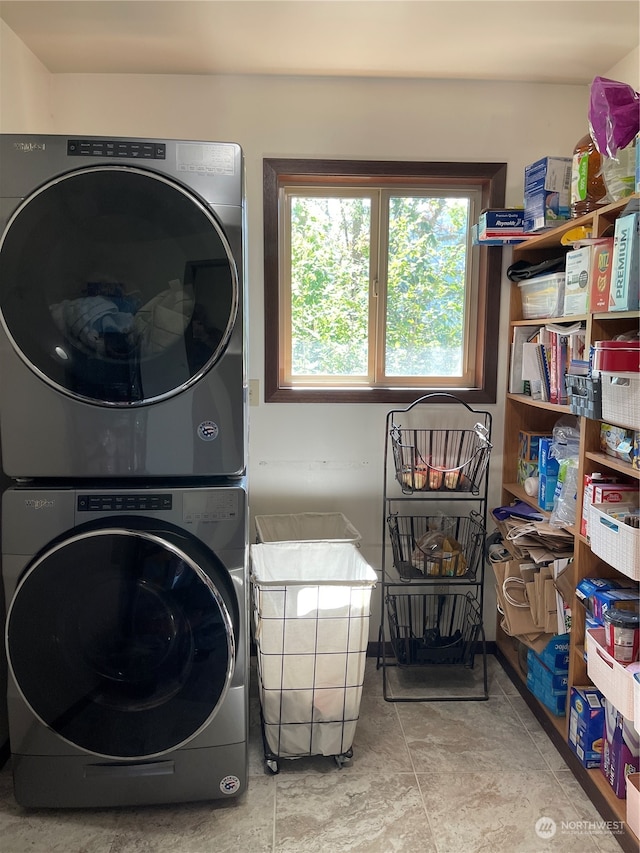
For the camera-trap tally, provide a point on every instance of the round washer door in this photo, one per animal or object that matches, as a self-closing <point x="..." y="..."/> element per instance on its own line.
<point x="121" y="643"/>
<point x="118" y="285"/>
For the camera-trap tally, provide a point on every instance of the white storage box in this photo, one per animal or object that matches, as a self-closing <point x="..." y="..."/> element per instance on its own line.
<point x="613" y="540"/>
<point x="542" y="296"/>
<point x="311" y="616"/>
<point x="633" y="803"/>
<point x="636" y="696"/>
<point x="621" y="399"/>
<point x="306" y="527"/>
<point x="611" y="678"/>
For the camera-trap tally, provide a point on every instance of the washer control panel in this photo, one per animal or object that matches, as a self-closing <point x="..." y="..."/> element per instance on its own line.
<point x="115" y="149"/>
<point x="124" y="503"/>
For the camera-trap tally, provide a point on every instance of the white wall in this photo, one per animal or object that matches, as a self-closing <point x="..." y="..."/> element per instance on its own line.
<point x="317" y="456"/>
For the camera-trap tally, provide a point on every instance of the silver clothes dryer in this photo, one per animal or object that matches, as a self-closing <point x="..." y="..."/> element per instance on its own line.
<point x="127" y="644"/>
<point x="122" y="334"/>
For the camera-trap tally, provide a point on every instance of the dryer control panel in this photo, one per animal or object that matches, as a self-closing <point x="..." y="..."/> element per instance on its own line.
<point x="124" y="503"/>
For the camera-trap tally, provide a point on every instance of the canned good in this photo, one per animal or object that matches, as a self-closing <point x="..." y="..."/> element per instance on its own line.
<point x="622" y="633"/>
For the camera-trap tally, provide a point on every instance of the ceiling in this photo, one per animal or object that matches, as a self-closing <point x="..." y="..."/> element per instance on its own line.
<point x="549" y="41"/>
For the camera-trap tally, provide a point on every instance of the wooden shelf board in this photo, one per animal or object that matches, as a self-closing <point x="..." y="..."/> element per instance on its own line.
<point x="538" y="404"/>
<point x="543" y="321"/>
<point x="615" y="464"/>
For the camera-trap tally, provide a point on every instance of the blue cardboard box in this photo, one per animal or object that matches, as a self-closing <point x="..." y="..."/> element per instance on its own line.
<point x="547" y="184"/>
<point x="586" y="725"/>
<point x="602" y="600"/>
<point x="555" y="655"/>
<point x="542" y="683"/>
<point x="547" y="464"/>
<point x="546" y="490"/>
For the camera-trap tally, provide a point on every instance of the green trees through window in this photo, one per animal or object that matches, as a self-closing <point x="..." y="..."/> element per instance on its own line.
<point x="371" y="282"/>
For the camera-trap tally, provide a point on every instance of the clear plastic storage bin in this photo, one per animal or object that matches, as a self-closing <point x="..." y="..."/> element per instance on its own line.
<point x="311" y="615"/>
<point x="542" y="296"/>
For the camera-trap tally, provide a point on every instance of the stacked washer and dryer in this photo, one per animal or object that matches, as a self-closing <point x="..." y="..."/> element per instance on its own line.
<point x="123" y="426"/>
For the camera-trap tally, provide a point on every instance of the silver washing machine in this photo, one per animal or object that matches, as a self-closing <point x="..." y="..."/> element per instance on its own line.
<point x="122" y="334"/>
<point x="127" y="643"/>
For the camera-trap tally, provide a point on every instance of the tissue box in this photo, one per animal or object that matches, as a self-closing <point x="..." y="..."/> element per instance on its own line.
<point x="529" y="444"/>
<point x="546" y="192"/>
<point x="586" y="725"/>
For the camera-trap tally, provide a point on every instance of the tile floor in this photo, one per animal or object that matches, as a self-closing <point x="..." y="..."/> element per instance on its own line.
<point x="444" y="777"/>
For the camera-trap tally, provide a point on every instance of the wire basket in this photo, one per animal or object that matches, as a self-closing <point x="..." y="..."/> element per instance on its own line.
<point x="434" y="628"/>
<point x="437" y="546"/>
<point x="440" y="460"/>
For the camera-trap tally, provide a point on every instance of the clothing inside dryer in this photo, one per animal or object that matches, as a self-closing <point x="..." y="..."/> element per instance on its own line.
<point x="118" y="286"/>
<point x="121" y="643"/>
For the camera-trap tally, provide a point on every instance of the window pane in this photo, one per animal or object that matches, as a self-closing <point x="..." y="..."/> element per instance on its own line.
<point x="329" y="286"/>
<point x="426" y="275"/>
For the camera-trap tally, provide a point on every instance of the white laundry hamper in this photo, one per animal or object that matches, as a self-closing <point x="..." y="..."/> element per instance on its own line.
<point x="306" y="527"/>
<point x="311" y="607"/>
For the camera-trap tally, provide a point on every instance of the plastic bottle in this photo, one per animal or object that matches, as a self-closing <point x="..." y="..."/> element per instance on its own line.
<point x="587" y="185"/>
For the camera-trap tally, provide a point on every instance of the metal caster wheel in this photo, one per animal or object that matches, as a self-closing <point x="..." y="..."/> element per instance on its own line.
<point x="343" y="758"/>
<point x="272" y="766"/>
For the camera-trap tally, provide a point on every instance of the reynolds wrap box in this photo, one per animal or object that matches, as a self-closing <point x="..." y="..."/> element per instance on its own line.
<point x="546" y="193"/>
<point x="586" y="725"/>
<point x="577" y="281"/>
<point x="625" y="273"/>
<point x="500" y="223"/>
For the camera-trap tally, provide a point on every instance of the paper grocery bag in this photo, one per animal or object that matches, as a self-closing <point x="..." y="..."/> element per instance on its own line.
<point x="518" y="619"/>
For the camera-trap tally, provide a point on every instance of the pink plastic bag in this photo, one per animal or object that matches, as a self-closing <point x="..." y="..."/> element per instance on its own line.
<point x="614" y="115"/>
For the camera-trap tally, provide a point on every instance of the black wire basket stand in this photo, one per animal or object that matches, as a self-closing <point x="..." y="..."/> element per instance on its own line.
<point x="434" y="533"/>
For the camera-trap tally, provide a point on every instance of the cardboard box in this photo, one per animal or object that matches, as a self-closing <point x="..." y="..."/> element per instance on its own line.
<point x="526" y="470"/>
<point x="546" y="490"/>
<point x="547" y="686"/>
<point x="547" y="464"/>
<point x="577" y="281"/>
<point x="546" y="193"/>
<point x="499" y="223"/>
<point x="529" y="444"/>
<point x="617" y="441"/>
<point x="620" y="750"/>
<point x="590" y="480"/>
<point x="555" y="655"/>
<point x="586" y="725"/>
<point x="602" y="600"/>
<point x="587" y="588"/>
<point x="601" y="266"/>
<point x="625" y="275"/>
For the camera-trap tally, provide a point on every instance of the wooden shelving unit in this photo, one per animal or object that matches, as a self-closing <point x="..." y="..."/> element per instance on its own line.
<point x="522" y="413"/>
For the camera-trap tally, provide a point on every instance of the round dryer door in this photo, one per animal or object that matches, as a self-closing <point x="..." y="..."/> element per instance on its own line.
<point x="118" y="285"/>
<point x="121" y="642"/>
